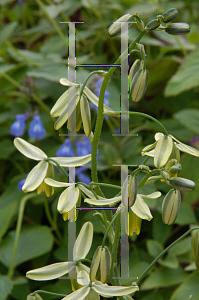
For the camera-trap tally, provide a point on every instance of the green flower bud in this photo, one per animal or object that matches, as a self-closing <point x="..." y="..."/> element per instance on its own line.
<point x="101" y="265"/>
<point x="195" y="248"/>
<point x="102" y="73"/>
<point x="133" y="189"/>
<point x="153" y="24"/>
<point x="171" y="163"/>
<point x="35" y="297"/>
<point x="160" y="18"/>
<point x="138" y="64"/>
<point x="175" y="169"/>
<point x="86" y="115"/>
<point x="165" y="175"/>
<point x="170" y="14"/>
<point x="139" y="85"/>
<point x="182" y="184"/>
<point x="177" y="28"/>
<point x="170" y="206"/>
<point x="115" y="29"/>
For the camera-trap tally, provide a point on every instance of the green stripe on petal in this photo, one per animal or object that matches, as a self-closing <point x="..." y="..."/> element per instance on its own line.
<point x="72" y="161"/>
<point x="103" y="202"/>
<point x="79" y="294"/>
<point x="29" y="150"/>
<point x="93" y="98"/>
<point x="51" y="272"/>
<point x="141" y="209"/>
<point x="84" y="241"/>
<point x="68" y="199"/>
<point x="104" y="290"/>
<point x="35" y="177"/>
<point x="55" y="183"/>
<point x="163" y="150"/>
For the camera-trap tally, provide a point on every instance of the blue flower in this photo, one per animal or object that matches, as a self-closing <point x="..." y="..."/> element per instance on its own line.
<point x="66" y="150"/>
<point x="81" y="176"/>
<point x="84" y="147"/>
<point x="20" y="184"/>
<point x="36" y="129"/>
<point x="18" y="126"/>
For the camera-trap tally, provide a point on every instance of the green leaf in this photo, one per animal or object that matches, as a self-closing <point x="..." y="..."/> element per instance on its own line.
<point x="154" y="248"/>
<point x="187" y="76"/>
<point x="159" y="227"/>
<point x="181" y="247"/>
<point x="170" y="262"/>
<point x="6" y="216"/>
<point x="189" y="118"/>
<point x="20" y="288"/>
<point x="51" y="72"/>
<point x="8" y="148"/>
<point x="186" y="215"/>
<point x="33" y="242"/>
<point x="5" y="287"/>
<point x="7" y="31"/>
<point x="187" y="288"/>
<point x="164" y="277"/>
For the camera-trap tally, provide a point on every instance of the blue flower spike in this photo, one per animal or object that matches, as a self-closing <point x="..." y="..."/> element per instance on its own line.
<point x="36" y="129"/>
<point x="18" y="126"/>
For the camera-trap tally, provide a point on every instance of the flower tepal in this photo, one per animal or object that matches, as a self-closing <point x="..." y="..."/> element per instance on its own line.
<point x="18" y="126"/>
<point x="36" y="129"/>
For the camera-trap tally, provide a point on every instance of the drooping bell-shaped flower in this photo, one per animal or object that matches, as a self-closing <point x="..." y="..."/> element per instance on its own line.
<point x="36" y="128"/>
<point x="66" y="150"/>
<point x="18" y="126"/>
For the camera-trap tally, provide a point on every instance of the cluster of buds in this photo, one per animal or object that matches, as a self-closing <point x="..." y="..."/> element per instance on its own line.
<point x="171" y="28"/>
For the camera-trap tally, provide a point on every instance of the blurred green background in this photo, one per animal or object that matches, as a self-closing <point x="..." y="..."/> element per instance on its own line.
<point x="33" y="57"/>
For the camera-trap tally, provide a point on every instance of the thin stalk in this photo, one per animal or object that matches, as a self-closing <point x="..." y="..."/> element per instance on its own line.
<point x="85" y="82"/>
<point x="109" y="227"/>
<point x="58" y="165"/>
<point x="84" y="260"/>
<point x="142" y="182"/>
<point x="106" y="184"/>
<point x="48" y="293"/>
<point x="138" y="114"/>
<point x="18" y="230"/>
<point x="163" y="252"/>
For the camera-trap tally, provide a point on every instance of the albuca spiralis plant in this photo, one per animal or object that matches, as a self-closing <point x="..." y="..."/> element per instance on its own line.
<point x="121" y="216"/>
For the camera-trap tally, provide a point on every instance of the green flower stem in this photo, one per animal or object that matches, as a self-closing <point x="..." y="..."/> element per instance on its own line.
<point x="100" y="118"/>
<point x="56" y="27"/>
<point x="85" y="82"/>
<point x="115" y="248"/>
<point x="83" y="260"/>
<point x="18" y="230"/>
<point x="163" y="252"/>
<point x="106" y="184"/>
<point x="58" y="165"/>
<point x="48" y="293"/>
<point x="137" y="52"/>
<point x="109" y="227"/>
<point x="142" y="182"/>
<point x="117" y="113"/>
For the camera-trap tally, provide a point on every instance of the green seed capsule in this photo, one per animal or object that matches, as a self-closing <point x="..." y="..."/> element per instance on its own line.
<point x="170" y="14"/>
<point x="182" y="184"/>
<point x="195" y="248"/>
<point x="170" y="206"/>
<point x="177" y="28"/>
<point x="115" y="29"/>
<point x="139" y="85"/>
<point x="153" y="24"/>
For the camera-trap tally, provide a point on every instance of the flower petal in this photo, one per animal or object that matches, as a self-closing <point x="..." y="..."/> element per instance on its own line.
<point x="158" y="136"/>
<point x="72" y="161"/>
<point x="141" y="209"/>
<point x="68" y="199"/>
<point x="83" y="278"/>
<point x="51" y="272"/>
<point x="60" y="104"/>
<point x="148" y="147"/>
<point x="104" y="290"/>
<point x="79" y="294"/>
<point x="66" y="82"/>
<point x="163" y="150"/>
<point x="87" y="192"/>
<point x="35" y="177"/>
<point x="29" y="150"/>
<point x="103" y="202"/>
<point x="93" y="98"/>
<point x="185" y="148"/>
<point x="55" y="183"/>
<point x="151" y="196"/>
<point x="85" y="238"/>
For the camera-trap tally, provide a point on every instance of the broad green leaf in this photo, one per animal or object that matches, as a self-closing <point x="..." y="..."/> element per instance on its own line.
<point x="6" y="216"/>
<point x="72" y="161"/>
<point x="105" y="290"/>
<point x="186" y="215"/>
<point x="181" y="247"/>
<point x="163" y="150"/>
<point x="20" y="288"/>
<point x="7" y="31"/>
<point x="51" y="272"/>
<point x="35" y="177"/>
<point x="189" y="118"/>
<point x="55" y="183"/>
<point x="159" y="227"/>
<point x="34" y="241"/>
<point x="29" y="150"/>
<point x="187" y="76"/>
<point x="5" y="287"/>
<point x="188" y="288"/>
<point x="154" y="248"/>
<point x="141" y="209"/>
<point x="85" y="237"/>
<point x="170" y="262"/>
<point x="164" y="277"/>
<point x="8" y="148"/>
<point x="93" y="98"/>
<point x="79" y="294"/>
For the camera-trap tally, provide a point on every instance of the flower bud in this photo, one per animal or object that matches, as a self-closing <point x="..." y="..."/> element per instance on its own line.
<point x="170" y="14"/>
<point x="153" y="24"/>
<point x="35" y="297"/>
<point x="177" y="28"/>
<point x="139" y="85"/>
<point x="101" y="265"/>
<point x="175" y="169"/>
<point x="170" y="206"/>
<point x="86" y="115"/>
<point x="138" y="64"/>
<point x="182" y="184"/>
<point x="195" y="248"/>
<point x="115" y="29"/>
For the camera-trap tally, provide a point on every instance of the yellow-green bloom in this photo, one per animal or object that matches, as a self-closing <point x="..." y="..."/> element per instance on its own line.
<point x="166" y="148"/>
<point x="101" y="265"/>
<point x="44" y="168"/>
<point x="69" y="103"/>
